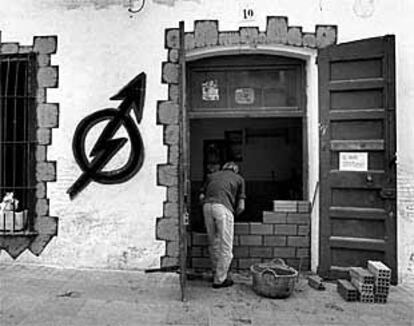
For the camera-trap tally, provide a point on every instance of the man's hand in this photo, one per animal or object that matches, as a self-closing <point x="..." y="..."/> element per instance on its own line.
<point x="240" y="207"/>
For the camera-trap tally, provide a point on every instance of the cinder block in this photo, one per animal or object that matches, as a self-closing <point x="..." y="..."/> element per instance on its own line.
<point x="260" y="252"/>
<point x="274" y="217"/>
<point x="362" y="275"/>
<point x="285" y="206"/>
<point x="202" y="263"/>
<point x="167" y="261"/>
<point x="309" y="40"/>
<point x="196" y="252"/>
<point x="173" y="93"/>
<point x="245" y="263"/>
<point x="302" y="252"/>
<point x="259" y="228"/>
<point x="172" y="249"/>
<point x="284" y="252"/>
<point x="200" y="239"/>
<point x="347" y="291"/>
<point x="273" y="240"/>
<point x="189" y="41"/>
<point x="379" y="269"/>
<point x="251" y="240"/>
<point x="241" y="252"/>
<point x="304" y="206"/>
<point x="367" y="288"/>
<point x="298" y="218"/>
<point x="298" y="241"/>
<point x="303" y="229"/>
<point x="285" y="229"/>
<point x="241" y="228"/>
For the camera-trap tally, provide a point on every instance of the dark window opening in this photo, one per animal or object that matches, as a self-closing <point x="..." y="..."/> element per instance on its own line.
<point x="17" y="141"/>
<point x="268" y="151"/>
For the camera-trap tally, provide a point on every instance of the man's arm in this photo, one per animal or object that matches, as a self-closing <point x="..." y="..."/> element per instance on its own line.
<point x="240" y="206"/>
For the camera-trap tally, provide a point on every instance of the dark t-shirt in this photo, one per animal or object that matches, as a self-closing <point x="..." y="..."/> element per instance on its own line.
<point x="224" y="187"/>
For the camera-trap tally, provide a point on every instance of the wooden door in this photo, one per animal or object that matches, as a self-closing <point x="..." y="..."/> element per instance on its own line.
<point x="357" y="155"/>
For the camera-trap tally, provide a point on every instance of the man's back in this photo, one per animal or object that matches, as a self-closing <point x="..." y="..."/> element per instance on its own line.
<point x="224" y="187"/>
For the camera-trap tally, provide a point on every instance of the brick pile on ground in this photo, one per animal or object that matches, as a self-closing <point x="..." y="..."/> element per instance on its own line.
<point x="367" y="285"/>
<point x="382" y="279"/>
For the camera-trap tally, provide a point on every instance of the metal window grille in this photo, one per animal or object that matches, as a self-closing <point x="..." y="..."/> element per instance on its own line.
<point x="17" y="140"/>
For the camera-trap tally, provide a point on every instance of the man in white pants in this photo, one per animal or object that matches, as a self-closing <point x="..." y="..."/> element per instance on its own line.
<point x="223" y="197"/>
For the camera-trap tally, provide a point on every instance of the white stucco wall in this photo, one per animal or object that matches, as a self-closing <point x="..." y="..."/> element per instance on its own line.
<point x="102" y="47"/>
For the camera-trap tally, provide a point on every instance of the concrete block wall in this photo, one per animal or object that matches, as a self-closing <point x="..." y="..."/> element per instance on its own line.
<point x="47" y="118"/>
<point x="281" y="234"/>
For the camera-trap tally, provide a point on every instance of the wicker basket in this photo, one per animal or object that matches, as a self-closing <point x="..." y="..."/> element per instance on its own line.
<point x="274" y="279"/>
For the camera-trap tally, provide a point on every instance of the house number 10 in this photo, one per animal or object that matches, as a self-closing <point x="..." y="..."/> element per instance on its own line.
<point x="248" y="14"/>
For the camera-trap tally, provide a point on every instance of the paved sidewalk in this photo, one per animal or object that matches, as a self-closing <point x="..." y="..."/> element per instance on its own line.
<point x="36" y="295"/>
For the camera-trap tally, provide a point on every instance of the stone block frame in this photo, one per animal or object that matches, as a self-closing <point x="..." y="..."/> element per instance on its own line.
<point x="207" y="36"/>
<point x="47" y="117"/>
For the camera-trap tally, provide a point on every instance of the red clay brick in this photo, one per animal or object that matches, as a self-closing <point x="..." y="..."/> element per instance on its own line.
<point x="285" y="229"/>
<point x="298" y="241"/>
<point x="273" y="217"/>
<point x="272" y="240"/>
<point x="259" y="228"/>
<point x="250" y="240"/>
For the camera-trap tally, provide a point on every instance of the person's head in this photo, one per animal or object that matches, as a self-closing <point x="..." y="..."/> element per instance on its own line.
<point x="231" y="166"/>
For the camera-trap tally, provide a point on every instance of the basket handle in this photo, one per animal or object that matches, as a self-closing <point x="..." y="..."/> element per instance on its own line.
<point x="269" y="271"/>
<point x="279" y="261"/>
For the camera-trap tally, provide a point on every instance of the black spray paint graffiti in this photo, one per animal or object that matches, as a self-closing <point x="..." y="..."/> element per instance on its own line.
<point x="132" y="96"/>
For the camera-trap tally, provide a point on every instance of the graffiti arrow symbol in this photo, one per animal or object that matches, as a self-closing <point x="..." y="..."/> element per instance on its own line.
<point x="133" y="97"/>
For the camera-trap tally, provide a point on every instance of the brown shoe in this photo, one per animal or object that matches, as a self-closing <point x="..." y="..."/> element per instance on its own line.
<point x="225" y="284"/>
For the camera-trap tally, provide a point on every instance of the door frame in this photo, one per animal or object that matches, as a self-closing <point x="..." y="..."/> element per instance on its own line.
<point x="309" y="121"/>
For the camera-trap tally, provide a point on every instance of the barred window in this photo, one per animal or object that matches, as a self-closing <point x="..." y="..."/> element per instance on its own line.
<point x="17" y="141"/>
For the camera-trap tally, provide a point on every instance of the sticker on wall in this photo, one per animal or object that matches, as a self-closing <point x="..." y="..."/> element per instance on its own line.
<point x="244" y="96"/>
<point x="210" y="90"/>
<point x="106" y="147"/>
<point x="353" y="161"/>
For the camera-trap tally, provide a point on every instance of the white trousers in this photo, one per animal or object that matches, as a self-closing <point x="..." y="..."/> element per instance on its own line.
<point x="219" y="224"/>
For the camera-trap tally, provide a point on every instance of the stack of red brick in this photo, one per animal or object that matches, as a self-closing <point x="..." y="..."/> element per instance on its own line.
<point x="367" y="285"/>
<point x="283" y="233"/>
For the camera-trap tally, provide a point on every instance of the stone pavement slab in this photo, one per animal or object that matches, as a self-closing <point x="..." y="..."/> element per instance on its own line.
<point x="38" y="295"/>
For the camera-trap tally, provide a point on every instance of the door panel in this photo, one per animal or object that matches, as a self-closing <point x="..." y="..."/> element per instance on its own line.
<point x="357" y="114"/>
